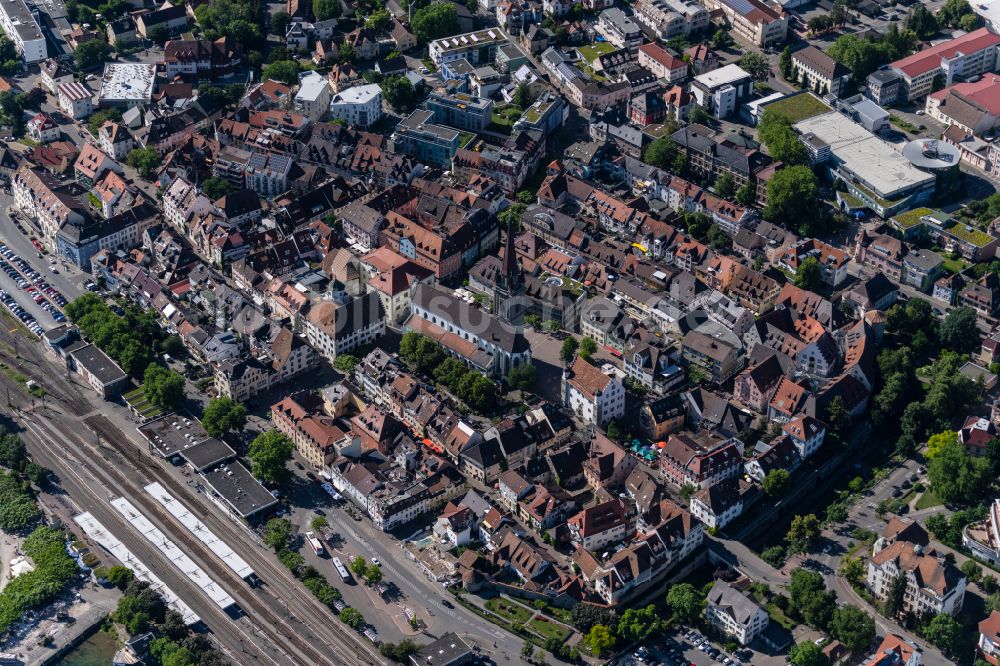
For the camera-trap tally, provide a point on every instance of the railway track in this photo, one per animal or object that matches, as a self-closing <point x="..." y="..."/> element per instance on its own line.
<point x="110" y="480"/>
<point x="265" y="568"/>
<point x="340" y="644"/>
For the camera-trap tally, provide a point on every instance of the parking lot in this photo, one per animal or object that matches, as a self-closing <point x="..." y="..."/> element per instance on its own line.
<point x="25" y="292"/>
<point x="689" y="647"/>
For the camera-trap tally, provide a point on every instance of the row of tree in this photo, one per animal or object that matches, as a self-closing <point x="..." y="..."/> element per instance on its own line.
<point x="427" y="357"/>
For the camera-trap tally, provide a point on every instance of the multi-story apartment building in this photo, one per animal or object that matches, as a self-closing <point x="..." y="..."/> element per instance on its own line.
<point x="508" y="166"/>
<point x="722" y="90"/>
<point x="201" y="57"/>
<point x="662" y="63"/>
<point x="51" y="202"/>
<point x="989" y="638"/>
<point x="700" y="462"/>
<point x="75" y="100"/>
<point x="313" y="433"/>
<point x="619" y="29"/>
<point x="360" y="106"/>
<point x="734" y="613"/>
<point x="717" y="358"/>
<point x="460" y="110"/>
<point x="314" y="95"/>
<point x="807" y="434"/>
<point x="115" y="140"/>
<point x="670" y="18"/>
<point x="957" y="59"/>
<point x="479" y="48"/>
<point x="439" y="250"/>
<point x="426" y="142"/>
<point x="337" y="328"/>
<point x="739" y="156"/>
<point x="753" y="21"/>
<point x="267" y="173"/>
<point x="79" y="243"/>
<point x="600" y="525"/>
<point x="832" y="261"/>
<point x="820" y="72"/>
<point x="723" y="502"/>
<point x="592" y="395"/>
<point x="933" y="585"/>
<point x="20" y="26"/>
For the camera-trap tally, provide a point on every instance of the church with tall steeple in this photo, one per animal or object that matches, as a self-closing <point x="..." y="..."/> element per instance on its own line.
<point x="508" y="296"/>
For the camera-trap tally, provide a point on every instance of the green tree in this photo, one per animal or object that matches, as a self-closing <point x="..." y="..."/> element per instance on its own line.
<point x="852" y="627"/>
<point x="397" y="92"/>
<point x="939" y="441"/>
<point x="162" y="387"/>
<point x="373" y="574"/>
<point x="240" y="21"/>
<point x="958" y="477"/>
<point x="894" y="597"/>
<point x="436" y="20"/>
<point x="587" y="348"/>
<point x="223" y="415"/>
<point x="756" y="65"/>
<point x="293" y="561"/>
<point x="523" y="377"/>
<point x="776" y="482"/>
<point x="776" y="132"/>
<point x="379" y="20"/>
<point x="809" y="275"/>
<point x="810" y="599"/>
<point x="119" y="576"/>
<point x="747" y="195"/>
<point x="286" y="71"/>
<point x="358" y="566"/>
<point x="637" y="624"/>
<point x="344" y="363"/>
<point x="215" y="188"/>
<point x="721" y="39"/>
<point x="599" y="640"/>
<point x="684" y="601"/>
<point x="568" y="350"/>
<point x="725" y="186"/>
<point x="922" y="22"/>
<point x="698" y="115"/>
<point x="326" y="9"/>
<point x="522" y="96"/>
<point x="159" y="35"/>
<point x="785" y="62"/>
<point x="269" y="454"/>
<point x="279" y="23"/>
<point x="852" y="569"/>
<point x="91" y="54"/>
<point x="791" y="197"/>
<point x="959" y="332"/>
<point x="663" y="153"/>
<point x="143" y="160"/>
<point x="352" y="617"/>
<point x="808" y="653"/>
<point x="278" y="533"/>
<point x="944" y="632"/>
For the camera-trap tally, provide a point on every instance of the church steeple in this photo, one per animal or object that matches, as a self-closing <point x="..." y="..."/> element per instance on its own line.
<point x="507" y="301"/>
<point x="511" y="270"/>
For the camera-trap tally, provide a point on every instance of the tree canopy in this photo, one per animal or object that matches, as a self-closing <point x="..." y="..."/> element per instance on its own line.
<point x="756" y="65"/>
<point x="685" y="602"/>
<point x="801" y="533"/>
<point x="91" y="54"/>
<point x="436" y="20"/>
<point x="326" y="9"/>
<point x="852" y="627"/>
<point x="810" y="599"/>
<point x="958" y="477"/>
<point x="163" y="387"/>
<point x="286" y="71"/>
<point x="223" y="415"/>
<point x="792" y="194"/>
<point x="958" y="332"/>
<point x="144" y="160"/>
<point x="808" y="653"/>
<point x="397" y="92"/>
<point x="269" y="454"/>
<point x="809" y="275"/>
<point x="776" y="132"/>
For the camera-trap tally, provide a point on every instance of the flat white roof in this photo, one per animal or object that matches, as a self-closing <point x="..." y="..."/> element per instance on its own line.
<point x="311" y="86"/>
<point x="989" y="10"/>
<point x="873" y="160"/>
<point x="722" y="76"/>
<point x="357" y="94"/>
<point x="198" y="529"/>
<point x="96" y="531"/>
<point x="178" y="557"/>
<point x="128" y="80"/>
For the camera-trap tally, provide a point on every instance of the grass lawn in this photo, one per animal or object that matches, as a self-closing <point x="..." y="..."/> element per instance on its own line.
<point x="464" y="138"/>
<point x="590" y="52"/>
<point x="548" y="629"/>
<point x="928" y="499"/>
<point x="952" y="265"/>
<point x="799" y="107"/>
<point x="777" y="615"/>
<point x="903" y="124"/>
<point x="508" y="610"/>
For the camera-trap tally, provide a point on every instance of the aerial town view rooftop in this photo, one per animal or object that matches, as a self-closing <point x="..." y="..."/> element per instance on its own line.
<point x="351" y="333"/>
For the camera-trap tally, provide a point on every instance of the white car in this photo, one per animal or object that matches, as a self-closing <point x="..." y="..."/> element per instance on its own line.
<point x="376" y="562"/>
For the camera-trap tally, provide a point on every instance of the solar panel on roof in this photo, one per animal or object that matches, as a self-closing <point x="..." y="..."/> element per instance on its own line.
<point x="742" y="6"/>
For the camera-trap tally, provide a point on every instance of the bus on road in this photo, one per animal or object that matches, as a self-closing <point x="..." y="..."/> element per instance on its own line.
<point x="315" y="543"/>
<point x="339" y="566"/>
